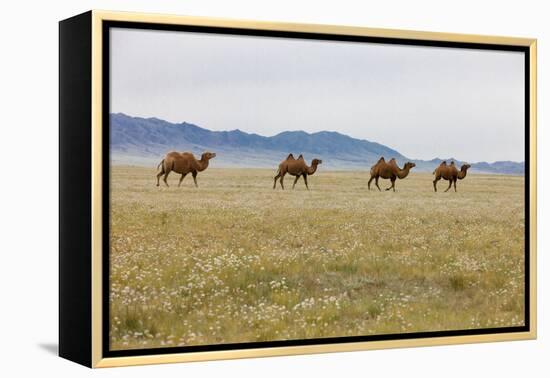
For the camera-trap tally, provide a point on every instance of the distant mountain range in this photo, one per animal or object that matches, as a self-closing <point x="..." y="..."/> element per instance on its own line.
<point x="144" y="141"/>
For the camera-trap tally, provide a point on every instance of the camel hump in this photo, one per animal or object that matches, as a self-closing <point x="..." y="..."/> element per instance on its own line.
<point x="301" y="157"/>
<point x="290" y="156"/>
<point x="443" y="163"/>
<point x="452" y="162"/>
<point x="381" y="159"/>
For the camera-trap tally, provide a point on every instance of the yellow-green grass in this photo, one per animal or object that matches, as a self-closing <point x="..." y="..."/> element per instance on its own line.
<point x="236" y="261"/>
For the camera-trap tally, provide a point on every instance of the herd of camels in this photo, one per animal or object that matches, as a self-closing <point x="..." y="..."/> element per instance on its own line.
<point x="184" y="163"/>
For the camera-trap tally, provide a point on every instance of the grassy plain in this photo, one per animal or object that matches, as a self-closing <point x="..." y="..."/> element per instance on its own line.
<point x="236" y="261"/>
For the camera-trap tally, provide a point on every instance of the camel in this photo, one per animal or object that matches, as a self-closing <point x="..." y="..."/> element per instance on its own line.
<point x="297" y="168"/>
<point x="449" y="173"/>
<point x="183" y="163"/>
<point x="389" y="170"/>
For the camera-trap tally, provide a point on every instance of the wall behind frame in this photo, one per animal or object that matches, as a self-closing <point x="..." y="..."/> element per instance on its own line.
<point x="30" y="205"/>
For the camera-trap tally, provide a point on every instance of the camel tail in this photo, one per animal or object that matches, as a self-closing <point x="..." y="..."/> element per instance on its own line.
<point x="161" y="163"/>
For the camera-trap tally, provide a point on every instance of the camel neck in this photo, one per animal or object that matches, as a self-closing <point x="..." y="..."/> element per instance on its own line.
<point x="203" y="164"/>
<point x="402" y="173"/>
<point x="462" y="174"/>
<point x="311" y="170"/>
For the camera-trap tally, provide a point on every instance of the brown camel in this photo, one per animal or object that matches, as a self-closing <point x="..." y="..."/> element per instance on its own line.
<point x="297" y="168"/>
<point x="183" y="163"/>
<point x="389" y="170"/>
<point x="450" y="173"/>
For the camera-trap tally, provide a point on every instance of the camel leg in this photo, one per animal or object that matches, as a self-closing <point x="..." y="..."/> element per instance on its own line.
<point x="275" y="180"/>
<point x="165" y="177"/>
<point x="158" y="177"/>
<point x="370" y="180"/>
<point x="194" y="173"/>
<point x="295" y="181"/>
<point x="281" y="181"/>
<point x="376" y="183"/>
<point x="181" y="178"/>
<point x="435" y="183"/>
<point x="454" y="184"/>
<point x="392" y="186"/>
<point x="160" y="173"/>
<point x="449" y="187"/>
<point x="305" y="180"/>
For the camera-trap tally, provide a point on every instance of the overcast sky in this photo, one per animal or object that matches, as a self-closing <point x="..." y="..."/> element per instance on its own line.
<point x="425" y="102"/>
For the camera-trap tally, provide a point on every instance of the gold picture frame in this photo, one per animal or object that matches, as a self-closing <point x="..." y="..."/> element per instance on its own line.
<point x="82" y="254"/>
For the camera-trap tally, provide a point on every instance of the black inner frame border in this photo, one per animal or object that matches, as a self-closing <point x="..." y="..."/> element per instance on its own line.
<point x="107" y="25"/>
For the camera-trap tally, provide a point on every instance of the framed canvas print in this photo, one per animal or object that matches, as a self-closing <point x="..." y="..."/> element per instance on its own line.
<point x="235" y="189"/>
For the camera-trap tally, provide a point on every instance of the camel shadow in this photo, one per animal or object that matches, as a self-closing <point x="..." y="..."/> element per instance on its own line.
<point x="51" y="348"/>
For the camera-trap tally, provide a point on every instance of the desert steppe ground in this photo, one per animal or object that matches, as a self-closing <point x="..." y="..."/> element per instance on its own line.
<point x="236" y="261"/>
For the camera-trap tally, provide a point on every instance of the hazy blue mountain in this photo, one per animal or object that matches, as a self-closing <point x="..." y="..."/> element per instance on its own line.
<point x="498" y="167"/>
<point x="144" y="141"/>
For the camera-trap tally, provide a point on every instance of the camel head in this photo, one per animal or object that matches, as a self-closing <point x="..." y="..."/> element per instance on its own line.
<point x="208" y="155"/>
<point x="316" y="162"/>
<point x="463" y="171"/>
<point x="409" y="165"/>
